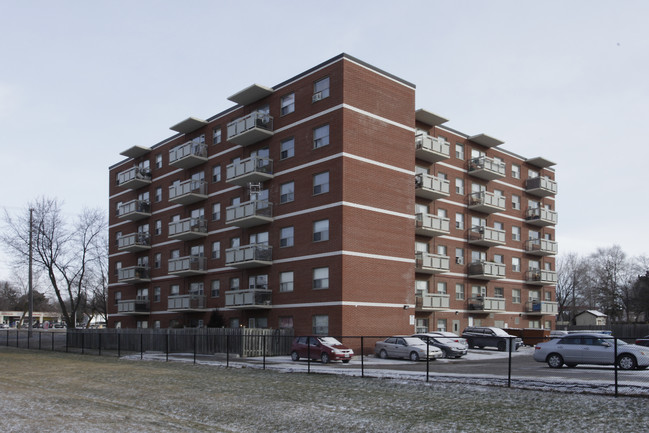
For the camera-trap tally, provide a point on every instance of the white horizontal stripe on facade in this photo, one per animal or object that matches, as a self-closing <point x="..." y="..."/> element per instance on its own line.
<point x="382" y="119"/>
<point x="344" y="253"/>
<point x="379" y="164"/>
<point x="343" y="304"/>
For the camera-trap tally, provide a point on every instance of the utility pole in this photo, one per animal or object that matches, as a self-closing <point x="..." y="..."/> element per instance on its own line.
<point x="31" y="291"/>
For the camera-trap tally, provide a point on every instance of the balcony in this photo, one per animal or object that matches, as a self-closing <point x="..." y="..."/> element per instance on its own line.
<point x="257" y="298"/>
<point x="134" y="274"/>
<point x="249" y="214"/>
<point x="134" y="178"/>
<point x="192" y="302"/>
<point x="134" y="210"/>
<point x="486" y="168"/>
<point x="253" y="169"/>
<point x="486" y="270"/>
<point x="134" y="242"/>
<point x="541" y="217"/>
<point x="188" y="192"/>
<point x="432" y="302"/>
<point x="134" y="306"/>
<point x="249" y="256"/>
<point x="541" y="247"/>
<point x="431" y="225"/>
<point x="484" y="303"/>
<point x="431" y="263"/>
<point x="188" y="155"/>
<point x="188" y="229"/>
<point x="540" y="277"/>
<point x="187" y="266"/>
<point x="486" y="236"/>
<point x="541" y="186"/>
<point x="250" y="129"/>
<point x="431" y="149"/>
<point x="486" y="202"/>
<point x="431" y="187"/>
<point x="541" y="308"/>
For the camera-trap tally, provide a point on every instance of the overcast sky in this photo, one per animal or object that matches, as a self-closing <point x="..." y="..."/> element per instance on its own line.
<point x="81" y="81"/>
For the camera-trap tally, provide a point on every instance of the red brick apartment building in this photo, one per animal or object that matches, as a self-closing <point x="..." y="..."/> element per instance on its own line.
<point x="329" y="204"/>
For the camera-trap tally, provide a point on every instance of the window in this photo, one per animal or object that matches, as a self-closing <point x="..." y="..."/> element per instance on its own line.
<point x="441" y="287"/>
<point x="516" y="202"/>
<point x="286" y="322"/>
<point x="498" y="258"/>
<point x="441" y="250"/>
<point x="320" y="89"/>
<point x="321" y="183"/>
<point x="118" y="235"/>
<point x="459" y="186"/>
<point x="234" y="283"/>
<point x="532" y="174"/>
<point x="459" y="256"/>
<point x="216" y="211"/>
<point x="215" y="288"/>
<point x="196" y="289"/>
<point x="516" y="264"/>
<point x="442" y="213"/>
<point x="321" y="136"/>
<point x="216" y="250"/>
<point x="534" y="324"/>
<point x="216" y="173"/>
<point x="547" y="296"/>
<point x="442" y="176"/>
<point x="258" y="282"/>
<point x="459" y="221"/>
<point x="321" y="231"/>
<point x="287" y="104"/>
<point x="516" y="296"/>
<point x="321" y="278"/>
<point x="156" y="294"/>
<point x="158" y="161"/>
<point x="118" y="297"/>
<point x="320" y="325"/>
<point x="421" y="326"/>
<point x="459" y="292"/>
<point x="287" y="149"/>
<point x="157" y="260"/>
<point x="287" y="192"/>
<point x="158" y="227"/>
<point x="421" y="247"/>
<point x="286" y="237"/>
<point x="516" y="171"/>
<point x="216" y="135"/>
<point x="441" y="325"/>
<point x="421" y="287"/>
<point x="174" y="290"/>
<point x="516" y="233"/>
<point x="286" y="281"/>
<point x="478" y="256"/>
<point x="534" y="265"/>
<point x="158" y="195"/>
<point x="118" y="266"/>
<point x="499" y="292"/>
<point x="499" y="226"/>
<point x="459" y="151"/>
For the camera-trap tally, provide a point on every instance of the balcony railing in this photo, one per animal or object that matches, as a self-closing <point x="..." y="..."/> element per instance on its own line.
<point x="250" y="129"/>
<point x="487" y="236"/>
<point x="188" y="266"/>
<point x="248" y="299"/>
<point x="541" y="308"/>
<point x="253" y="169"/>
<point x="134" y="177"/>
<point x="134" y="242"/>
<point x="431" y="225"/>
<point x="486" y="202"/>
<point x="485" y="303"/>
<point x="188" y="229"/>
<point x="133" y="274"/>
<point x="486" y="270"/>
<point x="188" y="192"/>
<point x="134" y="210"/>
<point x="188" y="155"/>
<point x="431" y="263"/>
<point x="432" y="302"/>
<point x="541" y="247"/>
<point x="134" y="306"/>
<point x="540" y="277"/>
<point x="186" y="302"/>
<point x="486" y="168"/>
<point x="431" y="187"/>
<point x="431" y="149"/>
<point x="540" y="216"/>
<point x="249" y="214"/>
<point x="249" y="256"/>
<point x="541" y="186"/>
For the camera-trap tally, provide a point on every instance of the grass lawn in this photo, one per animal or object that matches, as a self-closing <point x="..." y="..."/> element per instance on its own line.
<point x="56" y="392"/>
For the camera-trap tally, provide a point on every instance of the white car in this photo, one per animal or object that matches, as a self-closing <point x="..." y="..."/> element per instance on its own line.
<point x="411" y="348"/>
<point x="591" y="348"/>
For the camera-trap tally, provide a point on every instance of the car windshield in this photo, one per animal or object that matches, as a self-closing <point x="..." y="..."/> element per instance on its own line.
<point x="330" y="341"/>
<point x="500" y="332"/>
<point x="413" y="341"/>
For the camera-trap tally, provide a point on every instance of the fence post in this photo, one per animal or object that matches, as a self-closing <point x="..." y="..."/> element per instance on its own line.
<point x="119" y="347"/>
<point x="227" y="350"/>
<point x="67" y="343"/>
<point x="40" y="337"/>
<point x="362" y="358"/>
<point x="615" y="363"/>
<point x="427" y="359"/>
<point x="28" y="332"/>
<point x="263" y="348"/>
<point x="82" y="342"/>
<point x="99" y="335"/>
<point x="141" y="345"/>
<point x="52" y="341"/>
<point x="195" y="335"/>
<point x="509" y="368"/>
<point x="167" y="347"/>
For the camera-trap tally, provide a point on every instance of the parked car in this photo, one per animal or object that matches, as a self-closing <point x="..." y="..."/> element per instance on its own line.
<point x="450" y="347"/>
<point x="323" y="348"/>
<point x="487" y="336"/>
<point x="557" y="334"/>
<point x="591" y="348"/>
<point x="451" y="335"/>
<point x="411" y="348"/>
<point x="644" y="341"/>
<point x="3" y="326"/>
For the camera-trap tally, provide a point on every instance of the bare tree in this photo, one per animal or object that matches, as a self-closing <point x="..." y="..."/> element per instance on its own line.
<point x="612" y="280"/>
<point x="572" y="285"/>
<point x="65" y="252"/>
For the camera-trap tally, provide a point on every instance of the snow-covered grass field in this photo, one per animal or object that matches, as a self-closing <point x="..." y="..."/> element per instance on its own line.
<point x="56" y="392"/>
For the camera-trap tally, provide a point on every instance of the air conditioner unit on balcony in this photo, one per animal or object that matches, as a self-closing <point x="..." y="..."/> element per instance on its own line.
<point x="316" y="97"/>
<point x="459" y="260"/>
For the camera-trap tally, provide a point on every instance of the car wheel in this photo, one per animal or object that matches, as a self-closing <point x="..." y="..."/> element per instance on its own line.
<point x="324" y="358"/>
<point x="555" y="360"/>
<point x="502" y="346"/>
<point x="383" y="354"/>
<point x="414" y="356"/>
<point x="295" y="356"/>
<point x="626" y="362"/>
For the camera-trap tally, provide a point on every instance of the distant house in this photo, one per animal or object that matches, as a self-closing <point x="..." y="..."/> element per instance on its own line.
<point x="590" y="318"/>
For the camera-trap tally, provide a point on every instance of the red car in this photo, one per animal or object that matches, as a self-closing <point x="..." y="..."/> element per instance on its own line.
<point x="323" y="348"/>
